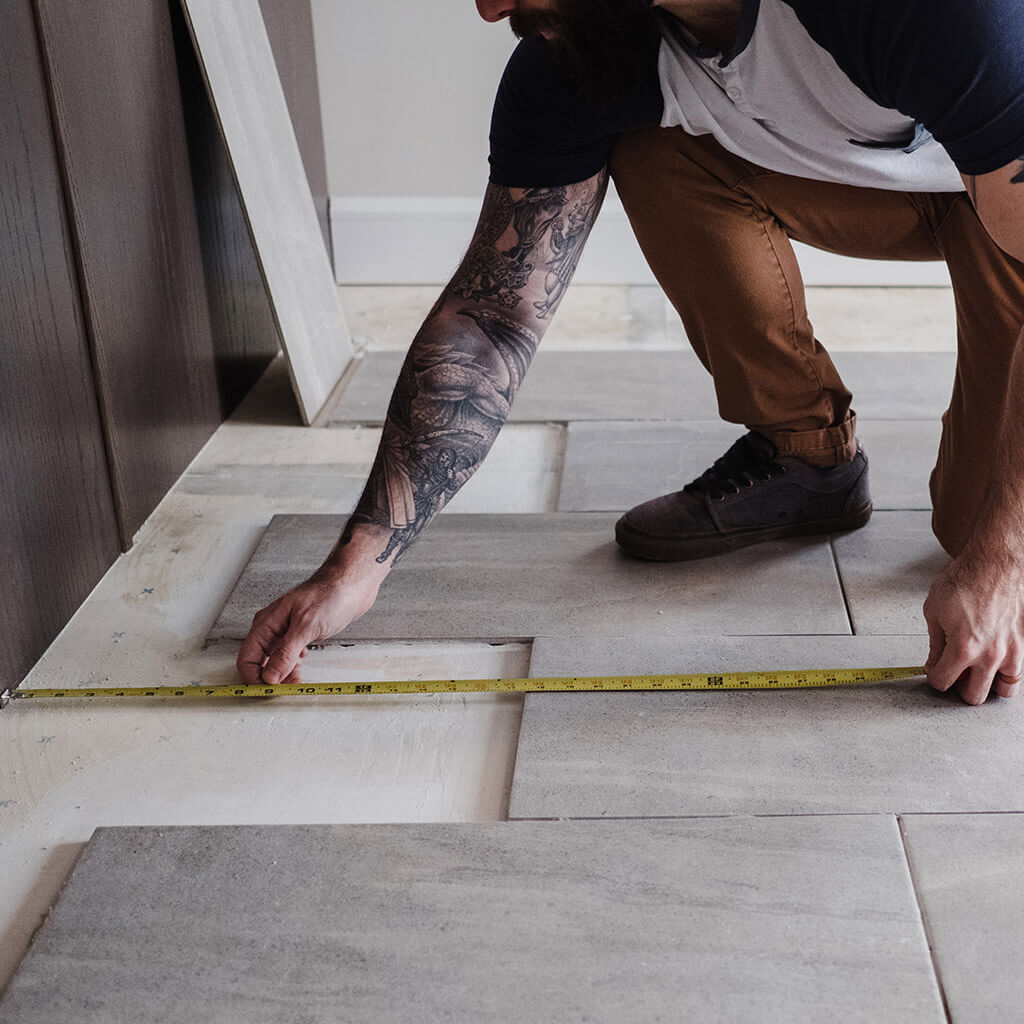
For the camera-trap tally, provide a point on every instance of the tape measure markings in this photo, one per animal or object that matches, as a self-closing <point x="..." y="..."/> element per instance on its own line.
<point x="760" y="680"/>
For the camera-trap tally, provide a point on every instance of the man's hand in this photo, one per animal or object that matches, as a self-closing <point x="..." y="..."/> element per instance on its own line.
<point x="339" y="592"/>
<point x="975" y="616"/>
<point x="314" y="610"/>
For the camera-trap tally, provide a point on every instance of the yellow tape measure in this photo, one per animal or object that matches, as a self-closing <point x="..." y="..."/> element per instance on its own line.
<point x="763" y="680"/>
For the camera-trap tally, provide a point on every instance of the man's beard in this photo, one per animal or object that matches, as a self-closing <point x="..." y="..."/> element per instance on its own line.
<point x="604" y="45"/>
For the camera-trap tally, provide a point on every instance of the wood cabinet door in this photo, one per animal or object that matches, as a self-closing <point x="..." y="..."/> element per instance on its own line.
<point x="58" y="530"/>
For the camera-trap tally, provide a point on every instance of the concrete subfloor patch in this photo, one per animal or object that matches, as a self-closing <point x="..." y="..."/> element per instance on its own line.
<point x="639" y="317"/>
<point x="967" y="870"/>
<point x="742" y="920"/>
<point x="883" y="319"/>
<point x="888" y="748"/>
<point x="590" y="317"/>
<point x="521" y="473"/>
<point x="555" y="574"/>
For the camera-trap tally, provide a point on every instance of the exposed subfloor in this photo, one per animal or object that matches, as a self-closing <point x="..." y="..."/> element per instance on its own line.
<point x="901" y="758"/>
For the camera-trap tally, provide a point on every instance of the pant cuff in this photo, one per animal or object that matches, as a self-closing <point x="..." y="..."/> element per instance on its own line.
<point x="824" y="448"/>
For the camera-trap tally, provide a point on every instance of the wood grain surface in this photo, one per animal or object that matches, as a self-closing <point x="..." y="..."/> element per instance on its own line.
<point x="57" y="528"/>
<point x="289" y="26"/>
<point x="117" y="110"/>
<point x="245" y="337"/>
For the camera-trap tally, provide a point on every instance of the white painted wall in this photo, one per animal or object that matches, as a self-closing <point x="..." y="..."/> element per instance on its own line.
<point x="407" y="88"/>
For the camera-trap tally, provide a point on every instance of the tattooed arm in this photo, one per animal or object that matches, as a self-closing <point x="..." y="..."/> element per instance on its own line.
<point x="453" y="394"/>
<point x="975" y="609"/>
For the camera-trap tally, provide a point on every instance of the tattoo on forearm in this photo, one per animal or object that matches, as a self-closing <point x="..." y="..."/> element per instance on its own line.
<point x="547" y="226"/>
<point x="465" y="367"/>
<point x="446" y="412"/>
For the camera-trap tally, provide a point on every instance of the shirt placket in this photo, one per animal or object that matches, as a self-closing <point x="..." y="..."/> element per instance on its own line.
<point x="730" y="76"/>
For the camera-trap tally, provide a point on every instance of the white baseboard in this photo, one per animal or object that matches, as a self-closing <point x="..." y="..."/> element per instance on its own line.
<point x="420" y="240"/>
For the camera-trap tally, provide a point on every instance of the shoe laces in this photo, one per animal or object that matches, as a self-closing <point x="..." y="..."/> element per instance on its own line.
<point x="743" y="465"/>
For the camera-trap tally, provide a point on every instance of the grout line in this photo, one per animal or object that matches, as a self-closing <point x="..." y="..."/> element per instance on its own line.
<point x="842" y="585"/>
<point x="924" y="921"/>
<point x="563" y="448"/>
<point x="700" y="817"/>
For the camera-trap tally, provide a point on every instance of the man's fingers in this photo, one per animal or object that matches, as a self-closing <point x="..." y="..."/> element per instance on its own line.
<point x="976" y="683"/>
<point x="1009" y="675"/>
<point x="974" y="676"/>
<point x="286" y="655"/>
<point x="1006" y="686"/>
<point x="948" y="669"/>
<point x="252" y="655"/>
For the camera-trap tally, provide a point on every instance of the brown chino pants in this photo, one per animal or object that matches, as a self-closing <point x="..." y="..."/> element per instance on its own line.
<point x="716" y="231"/>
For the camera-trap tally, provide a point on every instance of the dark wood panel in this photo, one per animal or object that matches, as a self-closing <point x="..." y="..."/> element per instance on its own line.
<point x="290" y="30"/>
<point x="245" y="336"/>
<point x="117" y="107"/>
<point x="58" y="529"/>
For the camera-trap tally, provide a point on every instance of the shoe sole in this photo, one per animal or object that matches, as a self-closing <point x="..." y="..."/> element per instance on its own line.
<point x="687" y="549"/>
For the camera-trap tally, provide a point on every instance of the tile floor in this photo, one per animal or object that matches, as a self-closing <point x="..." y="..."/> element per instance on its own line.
<point x="534" y="922"/>
<point x="859" y="762"/>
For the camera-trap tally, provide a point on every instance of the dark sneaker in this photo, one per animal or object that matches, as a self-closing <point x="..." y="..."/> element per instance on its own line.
<point x="751" y="494"/>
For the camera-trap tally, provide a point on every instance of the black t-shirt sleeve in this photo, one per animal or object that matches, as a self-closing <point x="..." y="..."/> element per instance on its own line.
<point x="544" y="133"/>
<point x="956" y="66"/>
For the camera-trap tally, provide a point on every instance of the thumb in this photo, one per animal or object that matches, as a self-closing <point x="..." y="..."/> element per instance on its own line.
<point x="936" y="643"/>
<point x="286" y="654"/>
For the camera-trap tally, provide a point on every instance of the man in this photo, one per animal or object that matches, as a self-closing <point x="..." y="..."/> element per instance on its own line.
<point x="873" y="128"/>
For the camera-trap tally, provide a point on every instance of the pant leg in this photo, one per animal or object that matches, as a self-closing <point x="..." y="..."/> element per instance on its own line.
<point x="989" y="289"/>
<point x="716" y="231"/>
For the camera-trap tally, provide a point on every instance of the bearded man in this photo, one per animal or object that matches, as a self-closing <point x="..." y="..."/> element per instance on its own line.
<point x="888" y="129"/>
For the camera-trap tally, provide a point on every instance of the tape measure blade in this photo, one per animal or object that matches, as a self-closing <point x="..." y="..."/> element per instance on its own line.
<point x="761" y="679"/>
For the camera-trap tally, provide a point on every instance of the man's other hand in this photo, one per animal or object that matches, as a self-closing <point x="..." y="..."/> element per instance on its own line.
<point x="314" y="610"/>
<point x="975" y="616"/>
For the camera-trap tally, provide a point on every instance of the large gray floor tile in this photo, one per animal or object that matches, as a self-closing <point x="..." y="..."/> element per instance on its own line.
<point x="968" y="869"/>
<point x="563" y="386"/>
<point x="610" y="385"/>
<point x="521" y="576"/>
<point x="566" y="656"/>
<point x="887" y="568"/>
<point x="886" y="748"/>
<point x="901" y="454"/>
<point x="613" y="466"/>
<point x="734" y="921"/>
<point x="898" y="385"/>
<point x="889" y="319"/>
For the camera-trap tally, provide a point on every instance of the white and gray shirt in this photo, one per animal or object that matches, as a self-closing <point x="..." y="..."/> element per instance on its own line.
<point x="894" y="94"/>
<point x="782" y="102"/>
